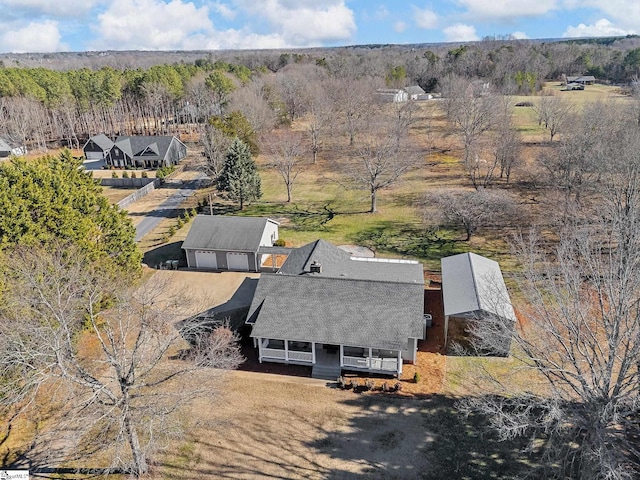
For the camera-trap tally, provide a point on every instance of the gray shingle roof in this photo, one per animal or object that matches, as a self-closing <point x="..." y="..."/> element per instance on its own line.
<point x="135" y="145"/>
<point x="235" y="234"/>
<point x="414" y="90"/>
<point x="101" y="140"/>
<point x="336" y="263"/>
<point x="337" y="311"/>
<point x="4" y="146"/>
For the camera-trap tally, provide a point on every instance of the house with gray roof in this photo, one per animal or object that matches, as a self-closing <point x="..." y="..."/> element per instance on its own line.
<point x="334" y="312"/>
<point x="6" y="149"/>
<point x="473" y="289"/>
<point x="415" y="92"/>
<point x="138" y="151"/>
<point x="217" y="242"/>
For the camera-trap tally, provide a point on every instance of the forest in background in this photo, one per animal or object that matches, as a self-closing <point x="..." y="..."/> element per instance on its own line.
<point x="60" y="99"/>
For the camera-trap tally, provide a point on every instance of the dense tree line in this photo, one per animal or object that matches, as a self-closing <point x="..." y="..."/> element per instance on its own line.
<point x="40" y="106"/>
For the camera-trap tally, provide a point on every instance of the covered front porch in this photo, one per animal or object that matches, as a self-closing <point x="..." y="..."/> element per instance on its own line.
<point x="367" y="359"/>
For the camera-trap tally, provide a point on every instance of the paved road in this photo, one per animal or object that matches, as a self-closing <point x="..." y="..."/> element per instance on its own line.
<point x="165" y="209"/>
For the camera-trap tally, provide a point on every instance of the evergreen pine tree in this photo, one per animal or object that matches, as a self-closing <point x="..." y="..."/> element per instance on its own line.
<point x="239" y="177"/>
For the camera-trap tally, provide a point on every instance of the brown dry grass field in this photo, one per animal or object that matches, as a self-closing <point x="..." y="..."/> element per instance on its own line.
<point x="274" y="425"/>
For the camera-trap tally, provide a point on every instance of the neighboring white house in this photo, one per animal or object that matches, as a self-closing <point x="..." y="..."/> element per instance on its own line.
<point x="472" y="289"/>
<point x="217" y="242"/>
<point x="391" y="95"/>
<point x="415" y="92"/>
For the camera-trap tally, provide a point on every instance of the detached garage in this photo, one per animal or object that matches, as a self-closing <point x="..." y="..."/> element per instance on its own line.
<point x="218" y="242"/>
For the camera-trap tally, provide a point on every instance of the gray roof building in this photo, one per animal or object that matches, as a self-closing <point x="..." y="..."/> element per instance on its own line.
<point x="151" y="151"/>
<point x="473" y="288"/>
<point x="324" y="296"/>
<point x="331" y="310"/>
<point x="228" y="243"/>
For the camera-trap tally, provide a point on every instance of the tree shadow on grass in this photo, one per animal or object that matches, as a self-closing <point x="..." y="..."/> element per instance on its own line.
<point x="407" y="240"/>
<point x="361" y="436"/>
<point x="453" y="445"/>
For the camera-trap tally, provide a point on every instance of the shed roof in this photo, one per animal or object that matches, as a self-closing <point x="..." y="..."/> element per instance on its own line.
<point x="235" y="234"/>
<point x="414" y="90"/>
<point x="337" y="311"/>
<point x="474" y="284"/>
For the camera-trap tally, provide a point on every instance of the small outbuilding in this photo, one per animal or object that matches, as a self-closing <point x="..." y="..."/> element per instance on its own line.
<point x="6" y="149"/>
<point x="473" y="289"/>
<point x="217" y="242"/>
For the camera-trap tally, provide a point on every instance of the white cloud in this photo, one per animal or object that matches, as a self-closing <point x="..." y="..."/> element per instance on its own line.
<point x="602" y="28"/>
<point x="507" y="9"/>
<point x="33" y="37"/>
<point x="425" y="18"/>
<point x="224" y="10"/>
<point x="460" y="33"/>
<point x="152" y="25"/>
<point x="56" y="8"/>
<point x="304" y="23"/>
<point x="399" y="26"/>
<point x="519" y="35"/>
<point x="625" y="14"/>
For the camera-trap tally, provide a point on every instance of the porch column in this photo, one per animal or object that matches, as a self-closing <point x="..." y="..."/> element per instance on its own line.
<point x="341" y="355"/>
<point x="370" y="355"/>
<point x="399" y="363"/>
<point x="313" y="352"/>
<point x="286" y="350"/>
<point x="260" y="350"/>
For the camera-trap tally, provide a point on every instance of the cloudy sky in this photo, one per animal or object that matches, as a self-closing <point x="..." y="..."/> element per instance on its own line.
<point x="79" y="25"/>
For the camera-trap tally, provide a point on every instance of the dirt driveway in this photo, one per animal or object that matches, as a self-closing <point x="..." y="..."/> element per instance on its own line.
<point x="204" y="289"/>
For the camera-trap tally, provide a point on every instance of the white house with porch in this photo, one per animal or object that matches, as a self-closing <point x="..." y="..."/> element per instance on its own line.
<point x="332" y="311"/>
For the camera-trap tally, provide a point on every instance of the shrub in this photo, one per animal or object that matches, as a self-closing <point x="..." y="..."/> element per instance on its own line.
<point x="194" y="212"/>
<point x="172" y="231"/>
<point x="114" y="174"/>
<point x="163" y="172"/>
<point x="397" y="387"/>
<point x="416" y="377"/>
<point x="133" y="175"/>
<point x="125" y="174"/>
<point x="144" y="175"/>
<point x="368" y="385"/>
<point x="279" y="243"/>
<point x="180" y="223"/>
<point x="385" y="387"/>
<point x="341" y="383"/>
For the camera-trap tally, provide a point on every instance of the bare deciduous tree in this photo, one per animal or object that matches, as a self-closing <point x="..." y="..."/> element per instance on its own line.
<point x="377" y="164"/>
<point x="472" y="209"/>
<point x="554" y="113"/>
<point x="472" y="114"/>
<point x="286" y="157"/>
<point x="215" y="145"/>
<point x="580" y="341"/>
<point x="123" y="397"/>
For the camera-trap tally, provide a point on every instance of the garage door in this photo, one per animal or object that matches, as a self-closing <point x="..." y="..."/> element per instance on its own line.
<point x="206" y="259"/>
<point x="238" y="261"/>
<point x="94" y="155"/>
